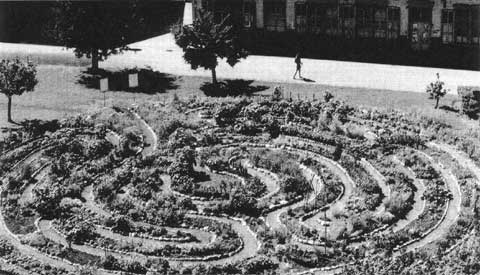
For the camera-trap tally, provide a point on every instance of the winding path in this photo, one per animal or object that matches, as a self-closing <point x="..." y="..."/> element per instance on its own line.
<point x="453" y="209"/>
<point x="250" y="242"/>
<point x="150" y="135"/>
<point x="14" y="239"/>
<point x="418" y="202"/>
<point x="249" y="239"/>
<point x="459" y="156"/>
<point x="348" y="183"/>
<point x="381" y="181"/>
<point x="270" y="179"/>
<point x="273" y="218"/>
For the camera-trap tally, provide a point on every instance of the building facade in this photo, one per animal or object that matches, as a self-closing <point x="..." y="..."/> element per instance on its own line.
<point x="420" y="22"/>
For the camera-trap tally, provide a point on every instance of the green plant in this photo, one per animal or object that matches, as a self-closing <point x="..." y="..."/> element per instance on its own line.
<point x="436" y="91"/>
<point x="16" y="77"/>
<point x="205" y="41"/>
<point x="95" y="30"/>
<point x="327" y="96"/>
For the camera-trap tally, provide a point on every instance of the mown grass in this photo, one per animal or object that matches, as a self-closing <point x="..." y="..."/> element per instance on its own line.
<point x="59" y="94"/>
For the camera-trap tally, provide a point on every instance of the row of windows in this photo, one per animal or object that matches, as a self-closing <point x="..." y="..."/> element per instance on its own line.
<point x="349" y="21"/>
<point x="461" y="26"/>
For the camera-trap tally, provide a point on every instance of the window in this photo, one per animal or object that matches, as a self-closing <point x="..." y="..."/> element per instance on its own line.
<point x="462" y="26"/>
<point x="466" y="24"/>
<point x="447" y="26"/>
<point x="417" y="15"/>
<point x="301" y="16"/>
<point x="316" y="18"/>
<point x="365" y="21"/>
<point x="476" y="25"/>
<point x="347" y="21"/>
<point x="249" y="10"/>
<point x="380" y="23"/>
<point x="332" y="20"/>
<point x="393" y="22"/>
<point x="275" y="19"/>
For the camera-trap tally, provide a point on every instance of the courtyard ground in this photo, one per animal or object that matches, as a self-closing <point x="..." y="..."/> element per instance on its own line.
<point x="162" y="54"/>
<point x="59" y="94"/>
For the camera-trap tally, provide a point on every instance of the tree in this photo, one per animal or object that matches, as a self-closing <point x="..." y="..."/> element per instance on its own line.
<point x="205" y="41"/>
<point x="436" y="91"/>
<point x="95" y="29"/>
<point x="16" y="77"/>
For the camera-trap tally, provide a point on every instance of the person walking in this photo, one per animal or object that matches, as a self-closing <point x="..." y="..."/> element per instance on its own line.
<point x="298" y="61"/>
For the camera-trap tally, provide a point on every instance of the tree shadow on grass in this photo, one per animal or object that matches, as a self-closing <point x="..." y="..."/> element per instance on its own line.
<point x="149" y="81"/>
<point x="232" y="87"/>
<point x="449" y="108"/>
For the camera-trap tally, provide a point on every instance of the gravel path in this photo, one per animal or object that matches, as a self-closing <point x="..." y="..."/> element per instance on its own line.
<point x="27" y="195"/>
<point x="273" y="218"/>
<point x="149" y="243"/>
<point x="453" y="210"/>
<point x="30" y="251"/>
<point x="459" y="156"/>
<point x="15" y="241"/>
<point x="381" y="181"/>
<point x="270" y="179"/>
<point x="150" y="136"/>
<point x="250" y="248"/>
<point x="317" y="183"/>
<point x="88" y="196"/>
<point x="418" y="203"/>
<point x="348" y="183"/>
<point x="47" y="230"/>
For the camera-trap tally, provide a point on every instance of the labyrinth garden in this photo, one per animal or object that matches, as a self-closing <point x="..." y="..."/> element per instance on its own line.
<point x="240" y="186"/>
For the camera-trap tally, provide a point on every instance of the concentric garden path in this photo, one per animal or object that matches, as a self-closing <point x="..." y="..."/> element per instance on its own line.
<point x="452" y="211"/>
<point x="249" y="239"/>
<point x="15" y="241"/>
<point x="250" y="243"/>
<point x="437" y="232"/>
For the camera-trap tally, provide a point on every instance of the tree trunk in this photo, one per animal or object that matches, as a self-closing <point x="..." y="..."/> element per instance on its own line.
<point x="214" y="76"/>
<point x="436" y="104"/>
<point x="95" y="60"/>
<point x="9" y="109"/>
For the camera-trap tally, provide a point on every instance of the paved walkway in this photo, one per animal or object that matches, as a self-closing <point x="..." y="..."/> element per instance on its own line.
<point x="162" y="54"/>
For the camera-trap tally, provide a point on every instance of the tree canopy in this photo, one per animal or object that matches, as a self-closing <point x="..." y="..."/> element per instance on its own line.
<point x="206" y="41"/>
<point x="16" y="77"/>
<point x="95" y="29"/>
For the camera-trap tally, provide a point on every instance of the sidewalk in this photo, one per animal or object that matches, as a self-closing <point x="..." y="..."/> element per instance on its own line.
<point x="162" y="54"/>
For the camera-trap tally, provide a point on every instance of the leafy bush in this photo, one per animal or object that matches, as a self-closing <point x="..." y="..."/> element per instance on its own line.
<point x="436" y="91"/>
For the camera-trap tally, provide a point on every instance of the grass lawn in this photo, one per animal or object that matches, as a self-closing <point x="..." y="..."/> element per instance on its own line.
<point x="58" y="94"/>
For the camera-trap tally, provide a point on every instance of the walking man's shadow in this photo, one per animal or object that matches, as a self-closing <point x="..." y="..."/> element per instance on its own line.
<point x="307" y="79"/>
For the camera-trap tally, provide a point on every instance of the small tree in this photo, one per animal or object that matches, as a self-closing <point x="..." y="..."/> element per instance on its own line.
<point x="436" y="91"/>
<point x="205" y="41"/>
<point x="16" y="77"/>
<point x="95" y="29"/>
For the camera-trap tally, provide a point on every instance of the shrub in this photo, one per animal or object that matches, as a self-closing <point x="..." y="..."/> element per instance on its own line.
<point x="397" y="204"/>
<point x="327" y="96"/>
<point x="81" y="232"/>
<point x="258" y="265"/>
<point x="436" y="91"/>
<point x="110" y="262"/>
<point x="256" y="187"/>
